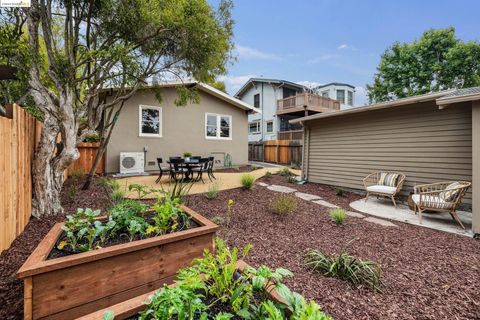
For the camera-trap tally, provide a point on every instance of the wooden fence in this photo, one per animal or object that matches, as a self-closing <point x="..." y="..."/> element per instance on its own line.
<point x="87" y="150"/>
<point x="276" y="151"/>
<point x="18" y="133"/>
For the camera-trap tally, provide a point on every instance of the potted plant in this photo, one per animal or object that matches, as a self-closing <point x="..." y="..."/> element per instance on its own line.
<point x="187" y="155"/>
<point x="218" y="287"/>
<point x="90" y="261"/>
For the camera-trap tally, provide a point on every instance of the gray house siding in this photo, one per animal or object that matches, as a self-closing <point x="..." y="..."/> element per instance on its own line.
<point x="425" y="143"/>
<point x="183" y="130"/>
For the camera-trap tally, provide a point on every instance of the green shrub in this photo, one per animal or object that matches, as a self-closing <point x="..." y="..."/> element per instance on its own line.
<point x="247" y="181"/>
<point x="292" y="179"/>
<point x="268" y="175"/>
<point x="344" y="266"/>
<point x="141" y="190"/>
<point x="339" y="191"/>
<point x="285" y="172"/>
<point x="112" y="190"/>
<point x="338" y="215"/>
<point x="253" y="167"/>
<point x="187" y="154"/>
<point x="218" y="220"/>
<point x="72" y="191"/>
<point x="284" y="204"/>
<point x="76" y="174"/>
<point x="212" y="191"/>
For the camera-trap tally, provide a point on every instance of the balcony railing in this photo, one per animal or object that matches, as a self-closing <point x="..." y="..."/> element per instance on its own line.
<point x="290" y="135"/>
<point x="307" y="101"/>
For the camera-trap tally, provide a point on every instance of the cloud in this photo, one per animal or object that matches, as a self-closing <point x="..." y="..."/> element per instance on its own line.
<point x="309" y="84"/>
<point x="251" y="53"/>
<point x="346" y="47"/>
<point x="233" y="83"/>
<point x="323" y="57"/>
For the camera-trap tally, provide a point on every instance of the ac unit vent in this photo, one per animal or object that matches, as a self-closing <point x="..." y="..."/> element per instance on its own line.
<point x="132" y="162"/>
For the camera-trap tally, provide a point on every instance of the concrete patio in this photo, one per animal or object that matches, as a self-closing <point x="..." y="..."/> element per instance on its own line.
<point x="384" y="208"/>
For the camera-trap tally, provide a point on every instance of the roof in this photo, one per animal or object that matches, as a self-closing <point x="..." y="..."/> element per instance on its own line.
<point x="265" y="80"/>
<point x="205" y="88"/>
<point x="335" y="84"/>
<point x="442" y="98"/>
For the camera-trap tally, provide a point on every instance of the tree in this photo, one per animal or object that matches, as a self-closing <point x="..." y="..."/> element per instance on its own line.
<point x="94" y="44"/>
<point x="436" y="61"/>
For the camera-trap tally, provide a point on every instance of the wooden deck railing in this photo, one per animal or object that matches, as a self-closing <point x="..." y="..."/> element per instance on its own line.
<point x="307" y="100"/>
<point x="290" y="135"/>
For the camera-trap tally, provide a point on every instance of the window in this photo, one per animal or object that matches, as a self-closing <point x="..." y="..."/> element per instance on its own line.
<point x="256" y="100"/>
<point x="270" y="126"/>
<point x="150" y="121"/>
<point x="254" y="127"/>
<point x="341" y="96"/>
<point x="218" y="126"/>
<point x="325" y="94"/>
<point x="350" y="98"/>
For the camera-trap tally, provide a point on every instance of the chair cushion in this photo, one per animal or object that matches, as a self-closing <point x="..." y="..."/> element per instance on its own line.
<point x="450" y="191"/>
<point x="428" y="199"/>
<point x="388" y="179"/>
<point x="381" y="189"/>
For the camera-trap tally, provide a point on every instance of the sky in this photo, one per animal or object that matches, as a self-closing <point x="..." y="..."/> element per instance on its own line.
<point x="320" y="41"/>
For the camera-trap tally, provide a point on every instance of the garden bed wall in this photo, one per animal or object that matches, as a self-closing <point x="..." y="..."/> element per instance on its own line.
<point x="72" y="286"/>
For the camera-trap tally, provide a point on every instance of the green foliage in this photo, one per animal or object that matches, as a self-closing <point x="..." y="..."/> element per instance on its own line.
<point x="436" y="61"/>
<point x="338" y="215"/>
<point x="285" y="172"/>
<point x="292" y="179"/>
<point x="72" y="191"/>
<point x="339" y="191"/>
<point x="247" y="180"/>
<point x="212" y="191"/>
<point x="268" y="175"/>
<point x="112" y="189"/>
<point x="167" y="212"/>
<point x="108" y="315"/>
<point x="179" y="191"/>
<point x="127" y="216"/>
<point x="187" y="154"/>
<point x="227" y="161"/>
<point x="284" y="204"/>
<point x="141" y="190"/>
<point x="93" y="137"/>
<point x="344" y="266"/>
<point x="218" y="220"/>
<point x="76" y="174"/>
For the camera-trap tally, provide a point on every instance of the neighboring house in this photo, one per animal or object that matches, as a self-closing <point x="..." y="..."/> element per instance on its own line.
<point x="216" y="126"/>
<point x="343" y="92"/>
<point x="280" y="101"/>
<point x="430" y="138"/>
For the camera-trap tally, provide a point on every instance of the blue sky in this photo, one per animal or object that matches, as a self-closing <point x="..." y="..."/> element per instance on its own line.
<point x="325" y="41"/>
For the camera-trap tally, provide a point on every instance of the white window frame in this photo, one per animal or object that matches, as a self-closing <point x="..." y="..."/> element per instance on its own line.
<point x="160" y="118"/>
<point x="259" y="127"/>
<point x="266" y="126"/>
<point x="219" y="116"/>
<point x="349" y="94"/>
<point x="344" y="93"/>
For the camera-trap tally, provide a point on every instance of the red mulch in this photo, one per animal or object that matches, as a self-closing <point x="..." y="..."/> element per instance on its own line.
<point x="426" y="274"/>
<point x="246" y="168"/>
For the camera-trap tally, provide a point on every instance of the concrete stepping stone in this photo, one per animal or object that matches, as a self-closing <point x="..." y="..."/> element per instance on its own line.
<point x="263" y="184"/>
<point x="381" y="222"/>
<point x="355" y="214"/>
<point x="307" y="196"/>
<point x="283" y="189"/>
<point x="325" y="204"/>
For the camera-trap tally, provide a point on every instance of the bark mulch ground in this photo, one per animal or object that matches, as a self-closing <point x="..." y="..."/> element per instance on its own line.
<point x="426" y="274"/>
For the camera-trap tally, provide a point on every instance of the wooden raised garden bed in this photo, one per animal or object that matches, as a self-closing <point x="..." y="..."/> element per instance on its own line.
<point x="132" y="307"/>
<point x="72" y="286"/>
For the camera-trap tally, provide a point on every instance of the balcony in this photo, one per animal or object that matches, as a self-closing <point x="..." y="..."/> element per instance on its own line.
<point x="290" y="135"/>
<point x="305" y="104"/>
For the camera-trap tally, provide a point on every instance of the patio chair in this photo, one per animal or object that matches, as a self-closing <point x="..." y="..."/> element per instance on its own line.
<point x="211" y="161"/>
<point x="160" y="174"/>
<point x="196" y="158"/>
<point x="384" y="184"/>
<point x="202" y="168"/>
<point x="440" y="197"/>
<point x="177" y="169"/>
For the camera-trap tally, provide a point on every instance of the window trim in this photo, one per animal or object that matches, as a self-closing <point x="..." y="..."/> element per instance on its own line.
<point x="259" y="127"/>
<point x="218" y="116"/>
<point x="254" y="104"/>
<point x="350" y="95"/>
<point x="160" y="118"/>
<point x="266" y="126"/>
<point x="344" y="91"/>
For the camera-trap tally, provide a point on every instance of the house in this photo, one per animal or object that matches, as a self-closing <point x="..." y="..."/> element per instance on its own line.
<point x="343" y="92"/>
<point x="430" y="138"/>
<point x="280" y="101"/>
<point x="216" y="126"/>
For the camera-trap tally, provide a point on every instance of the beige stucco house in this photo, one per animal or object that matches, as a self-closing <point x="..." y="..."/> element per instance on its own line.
<point x="430" y="138"/>
<point x="216" y="126"/>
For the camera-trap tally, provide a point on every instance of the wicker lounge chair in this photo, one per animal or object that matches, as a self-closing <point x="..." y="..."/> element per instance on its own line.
<point x="440" y="197"/>
<point x="384" y="184"/>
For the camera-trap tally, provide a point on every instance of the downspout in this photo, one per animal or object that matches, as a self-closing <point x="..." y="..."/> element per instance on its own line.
<point x="261" y="127"/>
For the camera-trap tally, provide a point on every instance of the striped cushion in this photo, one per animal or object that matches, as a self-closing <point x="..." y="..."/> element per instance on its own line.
<point x="450" y="191"/>
<point x="388" y="179"/>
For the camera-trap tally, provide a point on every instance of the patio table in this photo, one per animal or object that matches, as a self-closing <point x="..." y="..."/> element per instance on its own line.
<point x="189" y="164"/>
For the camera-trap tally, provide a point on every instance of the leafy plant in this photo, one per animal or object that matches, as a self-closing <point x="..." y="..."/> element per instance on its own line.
<point x="80" y="230"/>
<point x="292" y="179"/>
<point x="187" y="154"/>
<point x="285" y="172"/>
<point x="76" y="174"/>
<point x="212" y="191"/>
<point x="339" y="191"/>
<point x="72" y="191"/>
<point x="179" y="191"/>
<point x="338" y="215"/>
<point x="253" y="167"/>
<point x="126" y="211"/>
<point x="344" y="266"/>
<point x="268" y="175"/>
<point x="141" y="190"/>
<point x="112" y="190"/>
<point x="167" y="211"/>
<point x="108" y="315"/>
<point x="284" y="204"/>
<point x="218" y="220"/>
<point x="247" y="181"/>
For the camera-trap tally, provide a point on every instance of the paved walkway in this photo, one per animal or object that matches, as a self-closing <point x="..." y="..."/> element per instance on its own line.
<point x="440" y="221"/>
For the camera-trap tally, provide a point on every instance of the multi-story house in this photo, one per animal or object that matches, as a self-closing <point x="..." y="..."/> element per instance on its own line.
<point x="343" y="92"/>
<point x="280" y="101"/>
